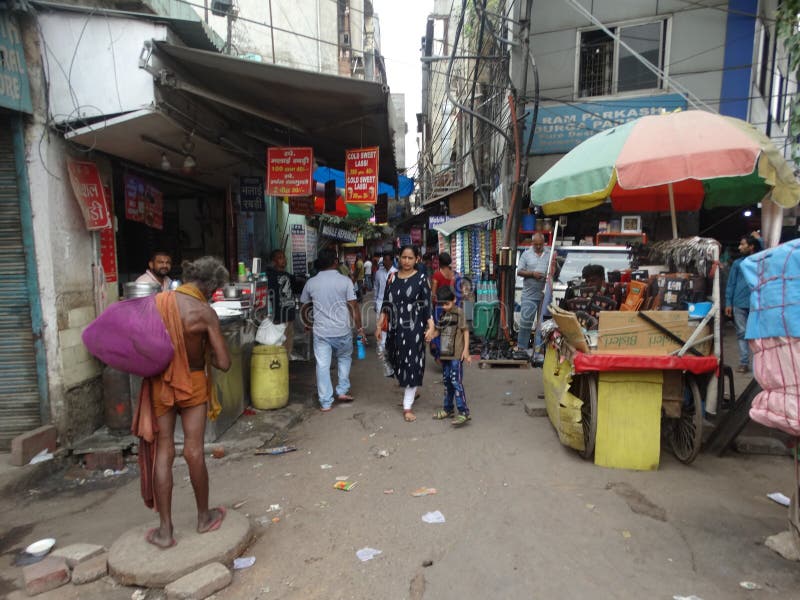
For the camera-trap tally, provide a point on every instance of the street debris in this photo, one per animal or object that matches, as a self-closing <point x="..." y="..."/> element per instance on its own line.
<point x="366" y="554"/>
<point x="249" y="412"/>
<point x="692" y="597"/>
<point x="427" y="563"/>
<point x="423" y="491"/>
<point x="343" y="478"/>
<point x="275" y="519"/>
<point x="239" y="504"/>
<point x="433" y="517"/>
<point x="139" y="595"/>
<point x="275" y="450"/>
<point x="345" y="486"/>
<point x="258" y="465"/>
<point x="43" y="456"/>
<point x="273" y="507"/>
<point x="626" y="534"/>
<point x="389" y="491"/>
<point x="749" y="585"/>
<point x="263" y="521"/>
<point x="326" y="467"/>
<point x="113" y="473"/>
<point x="781" y="499"/>
<point x="382" y="453"/>
<point x="244" y="562"/>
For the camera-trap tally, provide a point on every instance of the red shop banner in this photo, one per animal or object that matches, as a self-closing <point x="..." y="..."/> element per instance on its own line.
<point x="85" y="180"/>
<point x="108" y="246"/>
<point x="143" y="202"/>
<point x="290" y="171"/>
<point x="361" y="175"/>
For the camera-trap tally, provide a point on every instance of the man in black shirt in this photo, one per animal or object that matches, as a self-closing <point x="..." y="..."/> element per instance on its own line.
<point x="280" y="292"/>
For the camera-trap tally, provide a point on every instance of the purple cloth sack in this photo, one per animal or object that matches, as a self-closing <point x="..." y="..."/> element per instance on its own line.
<point x="131" y="336"/>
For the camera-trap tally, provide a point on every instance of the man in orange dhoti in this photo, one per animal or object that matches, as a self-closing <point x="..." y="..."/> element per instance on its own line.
<point x="184" y="388"/>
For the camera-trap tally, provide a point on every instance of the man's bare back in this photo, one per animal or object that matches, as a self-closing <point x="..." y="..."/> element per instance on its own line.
<point x="201" y="324"/>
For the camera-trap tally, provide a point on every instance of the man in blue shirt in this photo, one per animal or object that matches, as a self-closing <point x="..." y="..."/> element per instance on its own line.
<point x="737" y="300"/>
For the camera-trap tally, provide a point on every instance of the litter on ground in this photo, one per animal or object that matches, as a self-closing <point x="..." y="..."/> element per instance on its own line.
<point x="244" y="562"/>
<point x="423" y="491"/>
<point x="366" y="554"/>
<point x="433" y="517"/>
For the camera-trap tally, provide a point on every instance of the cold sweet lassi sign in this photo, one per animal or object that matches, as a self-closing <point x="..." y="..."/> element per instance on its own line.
<point x="361" y="175"/>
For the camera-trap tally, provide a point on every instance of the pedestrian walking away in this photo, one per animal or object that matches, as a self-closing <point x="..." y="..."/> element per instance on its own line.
<point x="737" y="299"/>
<point x="453" y="334"/>
<point x="333" y="300"/>
<point x="184" y="388"/>
<point x="382" y="275"/>
<point x="406" y="308"/>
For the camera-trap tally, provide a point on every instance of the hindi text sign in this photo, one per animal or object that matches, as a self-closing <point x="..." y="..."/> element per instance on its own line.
<point x="361" y="175"/>
<point x="251" y="194"/>
<point x="290" y="171"/>
<point x="85" y="180"/>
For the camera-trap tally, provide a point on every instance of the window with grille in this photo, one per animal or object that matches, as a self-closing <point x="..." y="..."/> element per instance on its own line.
<point x="606" y="67"/>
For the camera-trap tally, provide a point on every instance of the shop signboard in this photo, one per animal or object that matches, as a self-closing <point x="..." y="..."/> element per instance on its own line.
<point x="561" y="127"/>
<point x="290" y="171"/>
<point x="144" y="203"/>
<point x="361" y="175"/>
<point x="299" y="257"/>
<point x="339" y="233"/>
<point x="311" y="242"/>
<point x="108" y="245"/>
<point x="251" y="194"/>
<point x="15" y="93"/>
<point x="435" y="220"/>
<point x="85" y="180"/>
<point x="301" y="205"/>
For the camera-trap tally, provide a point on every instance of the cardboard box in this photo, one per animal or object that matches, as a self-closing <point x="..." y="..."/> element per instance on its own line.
<point x="626" y="333"/>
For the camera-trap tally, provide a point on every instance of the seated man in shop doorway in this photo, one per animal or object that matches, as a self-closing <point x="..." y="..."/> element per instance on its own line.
<point x="184" y="389"/>
<point x="158" y="270"/>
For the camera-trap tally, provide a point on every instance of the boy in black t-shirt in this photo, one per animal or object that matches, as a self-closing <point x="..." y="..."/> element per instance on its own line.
<point x="454" y="337"/>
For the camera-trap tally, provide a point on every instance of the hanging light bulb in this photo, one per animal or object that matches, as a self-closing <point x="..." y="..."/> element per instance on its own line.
<point x="189" y="163"/>
<point x="165" y="164"/>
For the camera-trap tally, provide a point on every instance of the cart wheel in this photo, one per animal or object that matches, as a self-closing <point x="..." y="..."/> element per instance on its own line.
<point x="587" y="391"/>
<point x="686" y="433"/>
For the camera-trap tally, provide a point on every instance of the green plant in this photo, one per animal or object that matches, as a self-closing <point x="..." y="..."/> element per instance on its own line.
<point x="788" y="27"/>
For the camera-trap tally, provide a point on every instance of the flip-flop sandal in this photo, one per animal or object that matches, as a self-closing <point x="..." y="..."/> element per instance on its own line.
<point x="409" y="416"/>
<point x="440" y="415"/>
<point x="148" y="537"/>
<point x="217" y="523"/>
<point x="344" y="398"/>
<point x="460" y="420"/>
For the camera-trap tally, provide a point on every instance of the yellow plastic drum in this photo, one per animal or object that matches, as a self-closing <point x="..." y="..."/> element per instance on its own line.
<point x="269" y="377"/>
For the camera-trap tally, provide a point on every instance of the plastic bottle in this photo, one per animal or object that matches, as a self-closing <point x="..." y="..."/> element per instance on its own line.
<point x="362" y="352"/>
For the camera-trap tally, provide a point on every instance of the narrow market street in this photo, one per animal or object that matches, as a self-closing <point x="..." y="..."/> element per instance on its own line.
<point x="525" y="517"/>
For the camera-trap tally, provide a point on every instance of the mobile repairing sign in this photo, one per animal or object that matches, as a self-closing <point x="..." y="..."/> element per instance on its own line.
<point x="290" y="171"/>
<point x="361" y="175"/>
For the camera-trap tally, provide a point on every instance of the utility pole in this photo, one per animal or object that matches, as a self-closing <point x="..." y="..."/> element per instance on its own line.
<point x="520" y="63"/>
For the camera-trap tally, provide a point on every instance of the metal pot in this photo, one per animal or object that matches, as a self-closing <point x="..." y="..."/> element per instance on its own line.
<point x="231" y="292"/>
<point x="135" y="289"/>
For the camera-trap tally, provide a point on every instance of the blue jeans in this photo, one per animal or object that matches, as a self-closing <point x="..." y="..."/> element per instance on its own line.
<point x="740" y="321"/>
<point x="527" y="316"/>
<point x="324" y="350"/>
<point x="452" y="377"/>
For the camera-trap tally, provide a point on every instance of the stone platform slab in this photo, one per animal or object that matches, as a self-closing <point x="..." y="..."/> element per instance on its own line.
<point x="133" y="561"/>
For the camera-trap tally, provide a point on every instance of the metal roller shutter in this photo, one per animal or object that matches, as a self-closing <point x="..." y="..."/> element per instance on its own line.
<point x="19" y="395"/>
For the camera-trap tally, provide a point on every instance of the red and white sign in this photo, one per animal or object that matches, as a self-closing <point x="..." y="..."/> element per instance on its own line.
<point x="143" y="202"/>
<point x="361" y="175"/>
<point x="108" y="246"/>
<point x="290" y="171"/>
<point x="85" y="180"/>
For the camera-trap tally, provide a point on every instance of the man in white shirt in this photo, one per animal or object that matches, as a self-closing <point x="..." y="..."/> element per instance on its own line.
<point x="532" y="268"/>
<point x="158" y="272"/>
<point x="385" y="269"/>
<point x="368" y="273"/>
<point x="333" y="299"/>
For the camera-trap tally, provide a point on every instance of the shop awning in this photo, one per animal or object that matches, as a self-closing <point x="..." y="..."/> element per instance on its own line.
<point x="405" y="184"/>
<point x="297" y="108"/>
<point x="479" y="215"/>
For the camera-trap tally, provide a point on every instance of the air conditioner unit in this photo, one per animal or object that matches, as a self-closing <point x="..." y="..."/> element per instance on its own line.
<point x="221" y="8"/>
